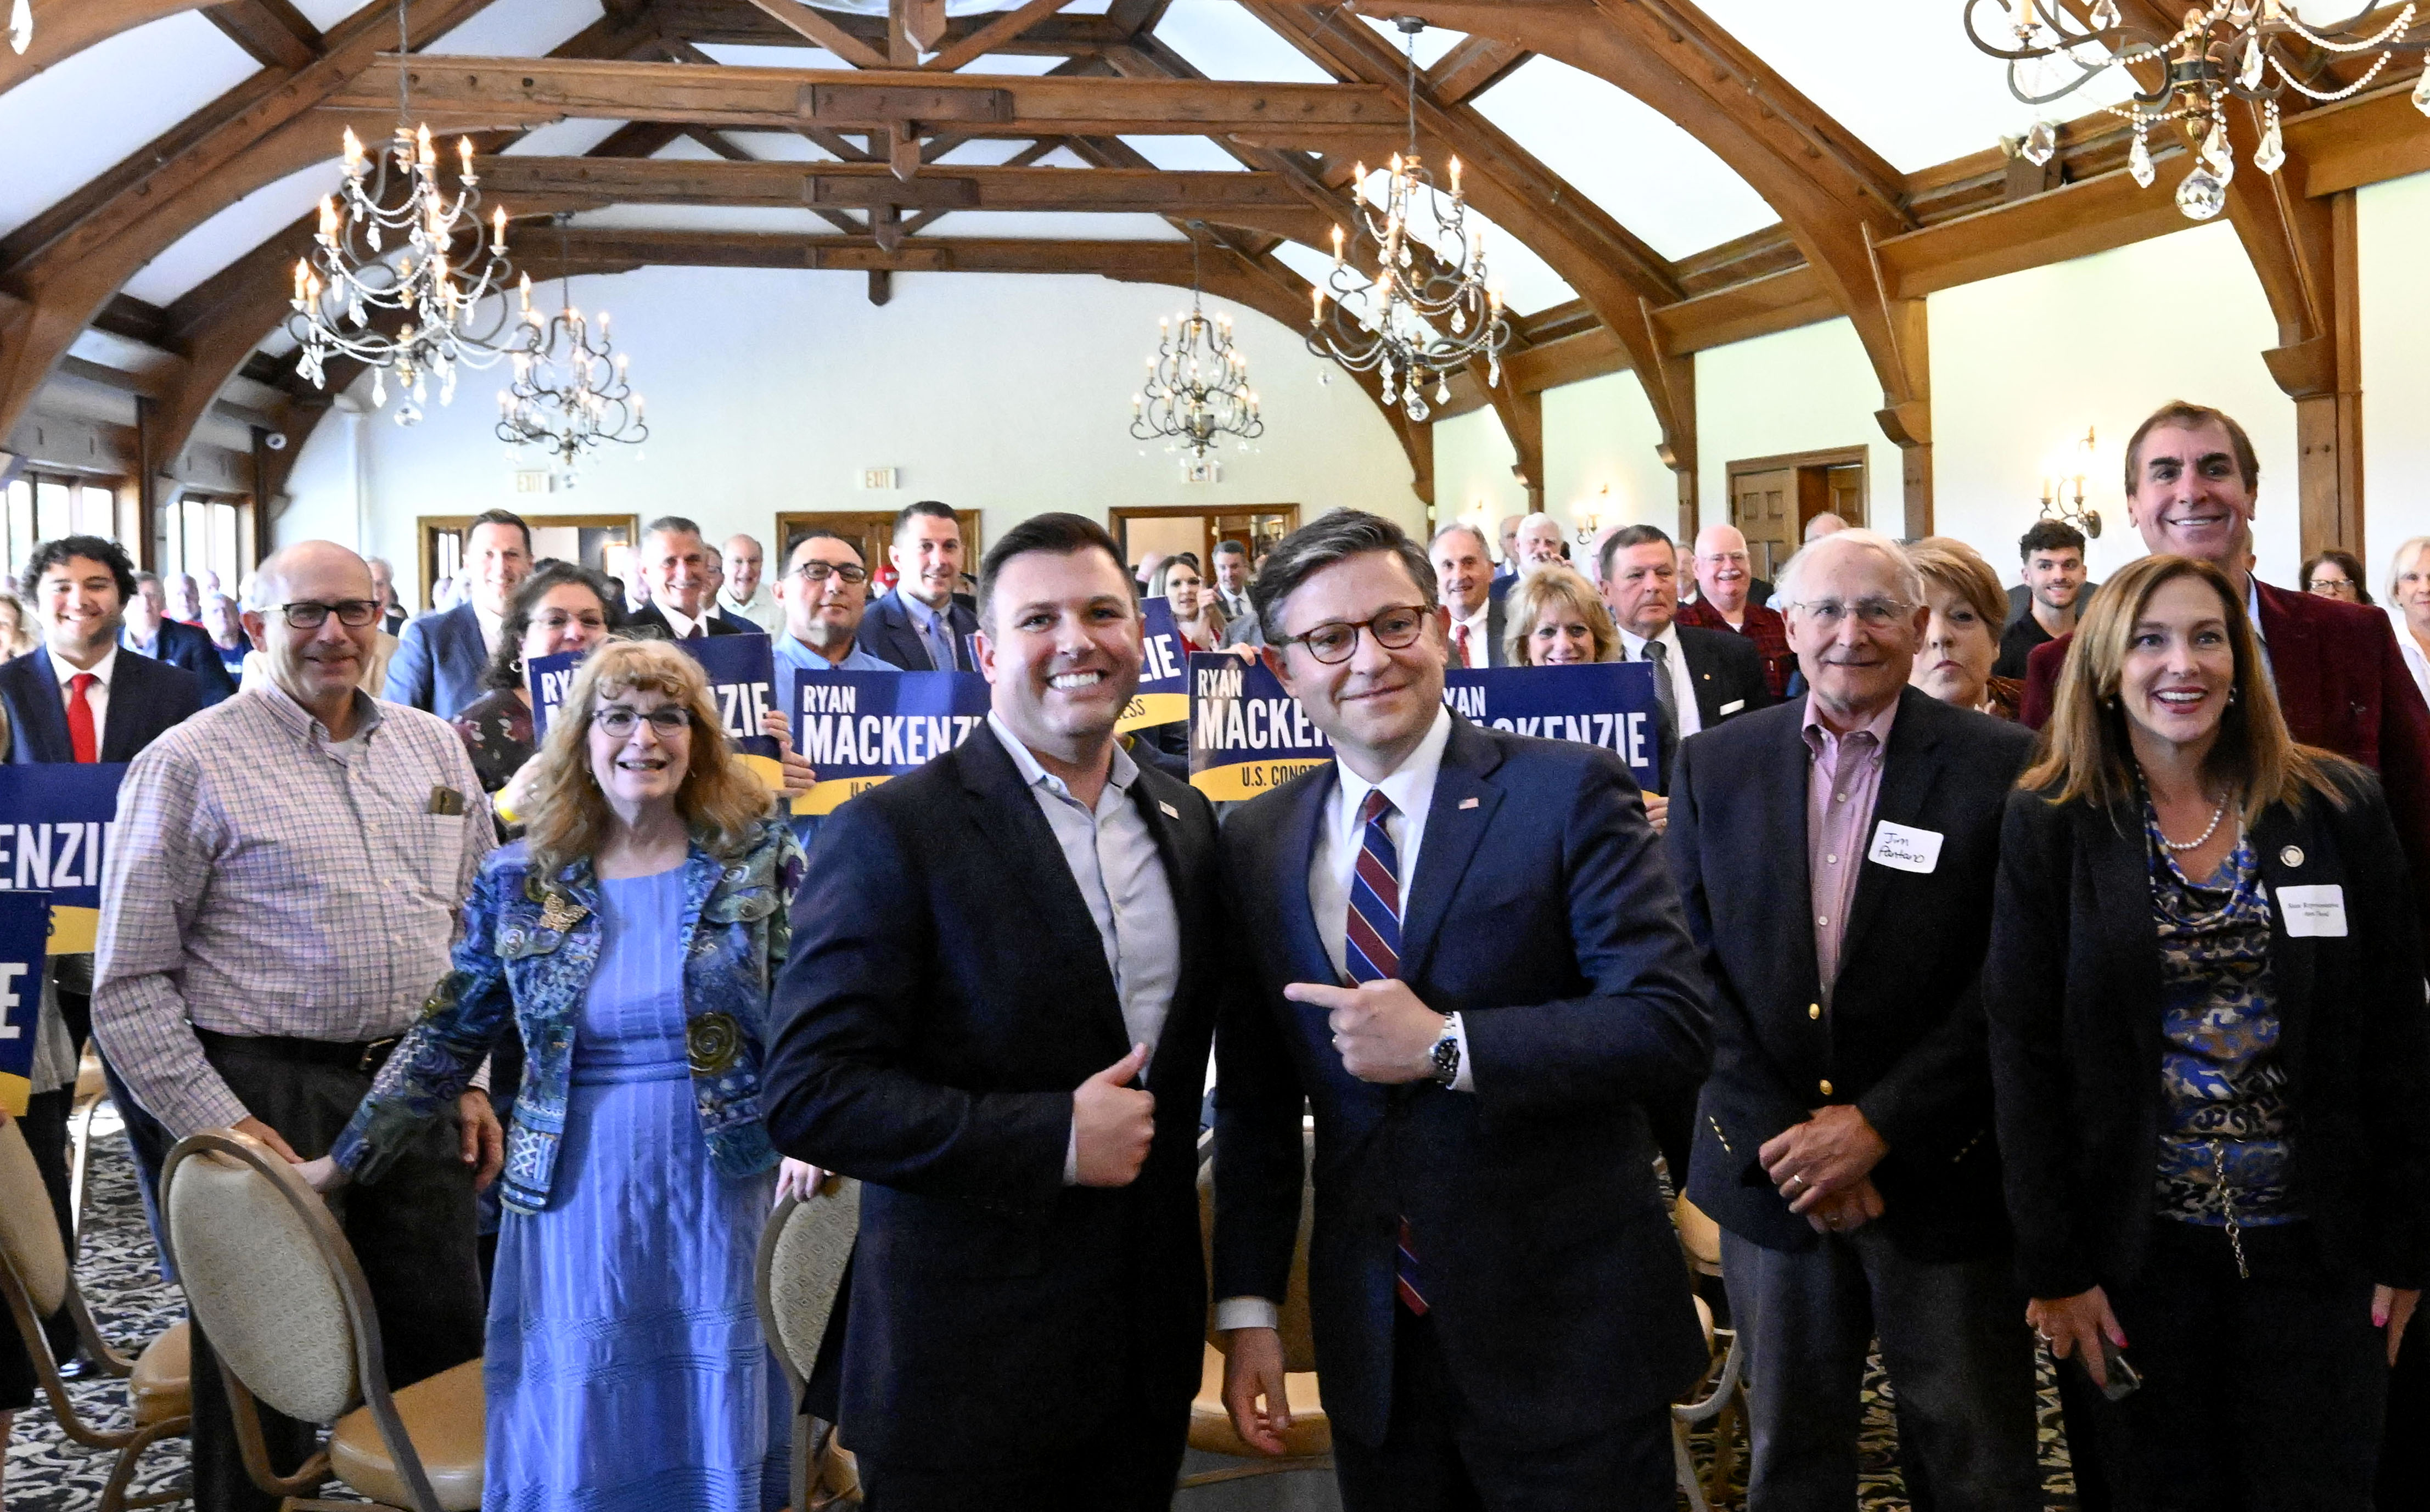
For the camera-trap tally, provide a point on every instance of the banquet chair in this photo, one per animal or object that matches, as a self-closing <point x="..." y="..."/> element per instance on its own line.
<point x="802" y="1256"/>
<point x="37" y="1279"/>
<point x="275" y="1287"/>
<point x="1307" y="1444"/>
<point x="1723" y="1388"/>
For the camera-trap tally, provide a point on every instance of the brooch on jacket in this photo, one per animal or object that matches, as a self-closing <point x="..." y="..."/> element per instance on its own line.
<point x="712" y="1044"/>
<point x="559" y="913"/>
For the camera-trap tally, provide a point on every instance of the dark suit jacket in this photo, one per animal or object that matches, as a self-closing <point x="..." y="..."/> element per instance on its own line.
<point x="145" y="698"/>
<point x="2072" y="988"/>
<point x="932" y="1022"/>
<point x="1541" y="912"/>
<point x="888" y="632"/>
<point x="1727" y="671"/>
<point x="2343" y="687"/>
<point x="438" y="662"/>
<point x="1904" y="1040"/>
<point x="649" y="622"/>
<point x="183" y="645"/>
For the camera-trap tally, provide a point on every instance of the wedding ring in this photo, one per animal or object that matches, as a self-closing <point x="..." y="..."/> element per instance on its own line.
<point x="1800" y="1182"/>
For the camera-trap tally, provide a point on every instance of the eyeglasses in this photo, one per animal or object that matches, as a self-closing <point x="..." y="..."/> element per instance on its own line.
<point x="667" y="720"/>
<point x="1873" y="614"/>
<point x="1335" y="640"/>
<point x="351" y="613"/>
<point x="821" y="572"/>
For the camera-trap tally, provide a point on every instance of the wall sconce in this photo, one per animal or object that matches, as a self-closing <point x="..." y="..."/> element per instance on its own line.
<point x="2058" y="504"/>
<point x="1590" y="520"/>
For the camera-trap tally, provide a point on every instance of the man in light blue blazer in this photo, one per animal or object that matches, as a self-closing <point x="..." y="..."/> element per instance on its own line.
<point x="440" y="658"/>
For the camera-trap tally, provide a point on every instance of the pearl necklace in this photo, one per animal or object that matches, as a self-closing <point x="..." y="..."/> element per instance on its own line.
<point x="2199" y="841"/>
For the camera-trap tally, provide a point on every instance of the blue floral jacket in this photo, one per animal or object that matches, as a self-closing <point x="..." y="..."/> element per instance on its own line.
<point x="530" y="947"/>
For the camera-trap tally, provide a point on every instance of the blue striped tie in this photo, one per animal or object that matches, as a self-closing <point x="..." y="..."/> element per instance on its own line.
<point x="1373" y="953"/>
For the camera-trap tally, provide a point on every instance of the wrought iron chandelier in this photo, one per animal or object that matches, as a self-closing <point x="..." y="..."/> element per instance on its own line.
<point x="571" y="392"/>
<point x="2229" y="50"/>
<point x="1197" y="386"/>
<point x="1432" y="308"/>
<point x="355" y="270"/>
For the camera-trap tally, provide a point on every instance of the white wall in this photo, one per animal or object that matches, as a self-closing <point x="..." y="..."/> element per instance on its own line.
<point x="1473" y="476"/>
<point x="2391" y="221"/>
<point x="1599" y="458"/>
<point x="2023" y="364"/>
<point x="1809" y="389"/>
<point x="770" y="389"/>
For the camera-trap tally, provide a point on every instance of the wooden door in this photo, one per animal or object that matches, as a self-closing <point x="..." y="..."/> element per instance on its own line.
<point x="869" y="530"/>
<point x="1764" y="507"/>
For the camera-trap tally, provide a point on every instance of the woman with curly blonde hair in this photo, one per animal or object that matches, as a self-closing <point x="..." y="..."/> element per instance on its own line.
<point x="632" y="935"/>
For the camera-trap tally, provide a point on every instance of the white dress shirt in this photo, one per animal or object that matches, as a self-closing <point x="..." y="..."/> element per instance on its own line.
<point x="1683" y="682"/>
<point x="758" y="608"/>
<point x="2417" y="660"/>
<point x="95" y="696"/>
<point x="1114" y="860"/>
<point x="1480" y="634"/>
<point x="684" y="625"/>
<point x="492" y="626"/>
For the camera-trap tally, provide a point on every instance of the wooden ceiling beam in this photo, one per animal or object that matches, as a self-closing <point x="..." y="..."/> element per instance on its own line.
<point x="740" y="22"/>
<point x="859" y="186"/>
<point x="272" y="31"/>
<point x="63" y="28"/>
<point x="521" y="91"/>
<point x="1474" y="65"/>
<point x="999" y="29"/>
<point x="815" y="27"/>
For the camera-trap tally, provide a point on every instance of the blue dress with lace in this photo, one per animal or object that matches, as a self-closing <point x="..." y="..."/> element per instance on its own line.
<point x="626" y="1366"/>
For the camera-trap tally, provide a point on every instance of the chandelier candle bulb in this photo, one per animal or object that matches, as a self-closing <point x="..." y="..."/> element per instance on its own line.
<point x="354" y="146"/>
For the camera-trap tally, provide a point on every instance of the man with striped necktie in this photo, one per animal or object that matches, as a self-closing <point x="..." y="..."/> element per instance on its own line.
<point x="1467" y="954"/>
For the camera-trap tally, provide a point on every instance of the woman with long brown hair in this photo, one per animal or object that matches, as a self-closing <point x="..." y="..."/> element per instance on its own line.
<point x="2211" y="1062"/>
<point x="633" y="936"/>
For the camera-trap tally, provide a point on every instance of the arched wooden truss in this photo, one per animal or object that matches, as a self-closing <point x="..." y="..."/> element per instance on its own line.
<point x="1856" y="237"/>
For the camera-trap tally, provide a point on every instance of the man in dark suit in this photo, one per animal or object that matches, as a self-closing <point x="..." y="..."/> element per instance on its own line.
<point x="1011" y="1056"/>
<point x="921" y="624"/>
<point x="1837" y="857"/>
<point x="1501" y="1318"/>
<point x="1535" y="543"/>
<point x="148" y="631"/>
<point x="682" y="573"/>
<point x="1464" y="577"/>
<point x="1731" y="598"/>
<point x="440" y="658"/>
<point x="1701" y="676"/>
<point x="393" y="614"/>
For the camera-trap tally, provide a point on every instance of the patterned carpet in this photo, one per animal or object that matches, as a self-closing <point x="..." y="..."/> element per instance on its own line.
<point x="122" y="1286"/>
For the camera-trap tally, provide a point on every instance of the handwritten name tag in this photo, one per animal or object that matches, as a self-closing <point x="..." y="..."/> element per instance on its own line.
<point x="1903" y="849"/>
<point x="1733" y="707"/>
<point x="2314" y="910"/>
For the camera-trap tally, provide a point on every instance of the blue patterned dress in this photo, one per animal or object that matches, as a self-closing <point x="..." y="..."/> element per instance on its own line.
<point x="625" y="1365"/>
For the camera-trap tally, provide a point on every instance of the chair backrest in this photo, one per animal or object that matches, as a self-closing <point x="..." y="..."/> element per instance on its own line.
<point x="29" y="1230"/>
<point x="1298" y="1332"/>
<point x="1699" y="1236"/>
<point x="259" y="1258"/>
<point x="802" y="1256"/>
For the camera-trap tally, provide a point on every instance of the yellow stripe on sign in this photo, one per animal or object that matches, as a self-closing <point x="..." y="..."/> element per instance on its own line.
<point x="1148" y="709"/>
<point x="767" y="768"/>
<point x="74" y="930"/>
<point x="1250" y="779"/>
<point x="830" y="795"/>
<point x="14" y="1090"/>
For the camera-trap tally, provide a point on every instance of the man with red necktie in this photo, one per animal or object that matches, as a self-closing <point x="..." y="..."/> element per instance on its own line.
<point x="1468" y="956"/>
<point x="1464" y="577"/>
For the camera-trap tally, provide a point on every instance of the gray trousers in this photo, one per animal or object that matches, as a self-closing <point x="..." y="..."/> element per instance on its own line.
<point x="1953" y="1340"/>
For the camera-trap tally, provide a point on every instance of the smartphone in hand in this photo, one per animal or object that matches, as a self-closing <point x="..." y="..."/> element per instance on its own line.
<point x="2125" y="1380"/>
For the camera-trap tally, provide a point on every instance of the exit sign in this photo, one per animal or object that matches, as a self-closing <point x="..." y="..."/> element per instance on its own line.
<point x="881" y="477"/>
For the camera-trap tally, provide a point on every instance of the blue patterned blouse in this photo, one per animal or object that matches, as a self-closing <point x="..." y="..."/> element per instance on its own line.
<point x="2225" y="1130"/>
<point x="529" y="949"/>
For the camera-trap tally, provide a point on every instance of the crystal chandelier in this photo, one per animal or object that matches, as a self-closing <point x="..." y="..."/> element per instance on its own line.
<point x="570" y="392"/>
<point x="2231" y="50"/>
<point x="1197" y="384"/>
<point x="1431" y="308"/>
<point x="21" y="26"/>
<point x="351" y="273"/>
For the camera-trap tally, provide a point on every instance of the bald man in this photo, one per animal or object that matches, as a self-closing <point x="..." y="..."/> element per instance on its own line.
<point x="1730" y="597"/>
<point x="743" y="597"/>
<point x="282" y="894"/>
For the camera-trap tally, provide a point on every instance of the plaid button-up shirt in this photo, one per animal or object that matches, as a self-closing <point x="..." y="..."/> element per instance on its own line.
<point x="265" y="880"/>
<point x="1765" y="627"/>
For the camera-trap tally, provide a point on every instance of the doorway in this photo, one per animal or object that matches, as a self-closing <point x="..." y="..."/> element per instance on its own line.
<point x="1772" y="498"/>
<point x="603" y="542"/>
<point x="1175" y="528"/>
<point x="872" y="531"/>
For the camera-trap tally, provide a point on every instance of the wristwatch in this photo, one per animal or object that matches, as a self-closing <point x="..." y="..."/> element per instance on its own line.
<point x="1446" y="1055"/>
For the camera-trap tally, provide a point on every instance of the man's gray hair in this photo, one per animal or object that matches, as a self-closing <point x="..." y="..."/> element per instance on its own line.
<point x="1910" y="582"/>
<point x="1484" y="547"/>
<point x="1330" y="538"/>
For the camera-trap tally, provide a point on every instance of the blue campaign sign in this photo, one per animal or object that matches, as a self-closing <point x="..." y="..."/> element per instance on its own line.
<point x="1163" y="696"/>
<point x="25" y="931"/>
<point x="858" y="728"/>
<point x="742" y="682"/>
<point x="56" y="822"/>
<point x="1248" y="736"/>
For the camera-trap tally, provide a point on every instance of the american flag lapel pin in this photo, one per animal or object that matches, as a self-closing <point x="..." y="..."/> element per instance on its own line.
<point x="1169" y="812"/>
<point x="1468" y="803"/>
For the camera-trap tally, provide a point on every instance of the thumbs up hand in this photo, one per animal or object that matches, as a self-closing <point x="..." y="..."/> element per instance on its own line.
<point x="1113" y="1123"/>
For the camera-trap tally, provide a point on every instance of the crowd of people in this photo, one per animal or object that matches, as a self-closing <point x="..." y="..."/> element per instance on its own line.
<point x="2002" y="977"/>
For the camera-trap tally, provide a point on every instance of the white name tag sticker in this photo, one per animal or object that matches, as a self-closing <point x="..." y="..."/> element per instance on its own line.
<point x="2317" y="910"/>
<point x="1733" y="707"/>
<point x="1903" y="849"/>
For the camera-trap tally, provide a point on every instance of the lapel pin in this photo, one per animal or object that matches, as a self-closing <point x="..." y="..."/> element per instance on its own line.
<point x="1169" y="812"/>
<point x="2292" y="856"/>
<point x="1468" y="803"/>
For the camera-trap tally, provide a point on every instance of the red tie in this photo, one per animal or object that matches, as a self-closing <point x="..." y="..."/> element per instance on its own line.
<point x="1459" y="640"/>
<point x="81" y="738"/>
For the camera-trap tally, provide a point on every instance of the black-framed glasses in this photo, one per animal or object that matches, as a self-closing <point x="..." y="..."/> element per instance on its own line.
<point x="620" y="722"/>
<point x="351" y="613"/>
<point x="821" y="572"/>
<point x="1335" y="640"/>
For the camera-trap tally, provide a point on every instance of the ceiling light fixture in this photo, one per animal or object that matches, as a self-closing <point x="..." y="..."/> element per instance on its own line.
<point x="1197" y="387"/>
<point x="570" y="394"/>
